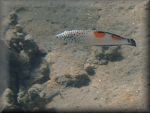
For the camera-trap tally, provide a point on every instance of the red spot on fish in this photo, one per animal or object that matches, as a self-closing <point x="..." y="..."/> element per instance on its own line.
<point x="99" y="34"/>
<point x="116" y="37"/>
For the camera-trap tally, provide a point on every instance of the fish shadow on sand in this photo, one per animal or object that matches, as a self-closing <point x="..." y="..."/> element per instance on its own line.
<point x="112" y="54"/>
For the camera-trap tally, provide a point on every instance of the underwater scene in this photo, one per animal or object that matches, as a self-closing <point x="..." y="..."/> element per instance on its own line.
<point x="74" y="55"/>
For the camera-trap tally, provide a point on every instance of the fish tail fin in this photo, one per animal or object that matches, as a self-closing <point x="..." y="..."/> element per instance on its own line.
<point x="132" y="42"/>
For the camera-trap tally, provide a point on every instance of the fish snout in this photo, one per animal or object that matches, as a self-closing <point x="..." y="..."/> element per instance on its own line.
<point x="58" y="36"/>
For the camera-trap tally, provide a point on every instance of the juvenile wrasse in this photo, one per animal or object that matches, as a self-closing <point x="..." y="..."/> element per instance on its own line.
<point x="94" y="38"/>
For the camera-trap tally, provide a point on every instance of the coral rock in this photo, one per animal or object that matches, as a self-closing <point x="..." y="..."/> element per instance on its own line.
<point x="73" y="80"/>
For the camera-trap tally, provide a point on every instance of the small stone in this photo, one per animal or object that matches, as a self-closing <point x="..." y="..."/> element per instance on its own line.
<point x="13" y="40"/>
<point x="42" y="52"/>
<point x="12" y="14"/>
<point x="103" y="62"/>
<point x="20" y="9"/>
<point x="44" y="69"/>
<point x="89" y="69"/>
<point x="28" y="37"/>
<point x="13" y="18"/>
<point x="30" y="51"/>
<point x="20" y="43"/>
<point x="22" y="97"/>
<point x="14" y="44"/>
<point x="10" y="35"/>
<point x="8" y="96"/>
<point x="24" y="58"/>
<point x="31" y="48"/>
<point x="18" y="28"/>
<point x="36" y="88"/>
<point x="95" y="62"/>
<point x="19" y="34"/>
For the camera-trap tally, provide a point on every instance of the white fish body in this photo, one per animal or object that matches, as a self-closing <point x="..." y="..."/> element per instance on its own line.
<point x="95" y="38"/>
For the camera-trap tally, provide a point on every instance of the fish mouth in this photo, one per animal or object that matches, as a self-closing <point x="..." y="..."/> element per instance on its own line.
<point x="58" y="36"/>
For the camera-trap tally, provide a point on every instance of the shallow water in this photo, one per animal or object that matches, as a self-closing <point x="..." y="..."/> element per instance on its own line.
<point x="114" y="84"/>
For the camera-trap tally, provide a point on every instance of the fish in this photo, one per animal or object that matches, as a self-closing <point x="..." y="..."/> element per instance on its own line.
<point x="95" y="38"/>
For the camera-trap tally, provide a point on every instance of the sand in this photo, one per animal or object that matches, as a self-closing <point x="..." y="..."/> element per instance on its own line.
<point x="120" y="84"/>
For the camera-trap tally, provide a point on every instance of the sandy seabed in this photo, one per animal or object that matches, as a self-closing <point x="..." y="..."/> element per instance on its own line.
<point x="118" y="83"/>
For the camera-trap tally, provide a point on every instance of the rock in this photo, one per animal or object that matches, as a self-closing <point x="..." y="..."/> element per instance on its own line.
<point x="12" y="108"/>
<point x="34" y="90"/>
<point x="17" y="40"/>
<point x="113" y="54"/>
<point x="26" y="66"/>
<point x="20" y="9"/>
<point x="103" y="62"/>
<point x="51" y="57"/>
<point x="67" y="68"/>
<point x="3" y="72"/>
<point x="10" y="35"/>
<point x="14" y="41"/>
<point x="23" y="57"/>
<point x="18" y="28"/>
<point x="40" y="51"/>
<point x="20" y="35"/>
<point x="30" y="47"/>
<point x="41" y="73"/>
<point x="101" y="56"/>
<point x="31" y="99"/>
<point x="8" y="96"/>
<point x="28" y="37"/>
<point x="73" y="80"/>
<point x="22" y="98"/>
<point x="109" y="54"/>
<point x="93" y="60"/>
<point x="13" y="18"/>
<point x="35" y="98"/>
<point x="14" y="70"/>
<point x="90" y="69"/>
<point x="44" y="68"/>
<point x="96" y="51"/>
